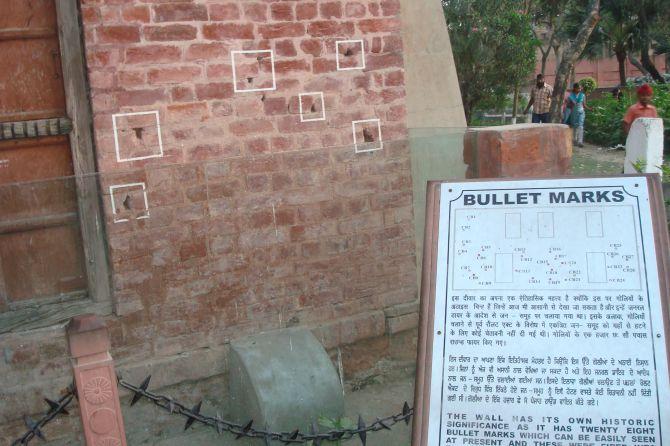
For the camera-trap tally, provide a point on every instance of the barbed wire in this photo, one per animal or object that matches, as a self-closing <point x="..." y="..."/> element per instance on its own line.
<point x="55" y="408"/>
<point x="247" y="430"/>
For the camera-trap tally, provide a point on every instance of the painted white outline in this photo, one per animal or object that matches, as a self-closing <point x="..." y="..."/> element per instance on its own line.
<point x="337" y="54"/>
<point x="272" y="62"/>
<point x="116" y="136"/>
<point x="379" y="132"/>
<point x="122" y="186"/>
<point x="323" y="106"/>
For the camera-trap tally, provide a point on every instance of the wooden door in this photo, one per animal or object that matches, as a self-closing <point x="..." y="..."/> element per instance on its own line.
<point x="41" y="249"/>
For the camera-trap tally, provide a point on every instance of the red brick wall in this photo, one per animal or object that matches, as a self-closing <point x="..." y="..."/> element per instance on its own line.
<point x="256" y="220"/>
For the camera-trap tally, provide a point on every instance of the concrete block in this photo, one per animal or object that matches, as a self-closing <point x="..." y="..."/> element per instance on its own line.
<point x="645" y="145"/>
<point x="519" y="150"/>
<point x="283" y="380"/>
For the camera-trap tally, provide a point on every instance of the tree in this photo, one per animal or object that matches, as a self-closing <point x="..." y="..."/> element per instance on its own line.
<point x="494" y="48"/>
<point x="649" y="12"/>
<point x="571" y="54"/>
<point x="616" y="32"/>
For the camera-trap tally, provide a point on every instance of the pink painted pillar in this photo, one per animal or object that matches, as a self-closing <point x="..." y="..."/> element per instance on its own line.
<point x="96" y="381"/>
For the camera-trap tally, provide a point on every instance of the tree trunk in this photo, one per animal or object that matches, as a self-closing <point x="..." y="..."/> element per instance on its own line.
<point x="621" y="58"/>
<point x="570" y="57"/>
<point x="545" y="56"/>
<point x="515" y="104"/>
<point x="645" y="45"/>
<point x="636" y="63"/>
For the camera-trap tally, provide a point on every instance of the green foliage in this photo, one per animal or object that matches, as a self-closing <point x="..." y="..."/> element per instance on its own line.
<point x="494" y="48"/>
<point x="640" y="164"/>
<point x="336" y="424"/>
<point x="588" y="84"/>
<point x="603" y="122"/>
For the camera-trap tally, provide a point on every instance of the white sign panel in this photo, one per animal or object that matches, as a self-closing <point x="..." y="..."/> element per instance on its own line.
<point x="548" y="323"/>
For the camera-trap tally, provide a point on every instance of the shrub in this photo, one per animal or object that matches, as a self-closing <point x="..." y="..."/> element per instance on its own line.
<point x="603" y="121"/>
<point x="588" y="84"/>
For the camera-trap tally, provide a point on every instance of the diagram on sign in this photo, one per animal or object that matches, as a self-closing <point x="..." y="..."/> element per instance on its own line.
<point x="526" y="249"/>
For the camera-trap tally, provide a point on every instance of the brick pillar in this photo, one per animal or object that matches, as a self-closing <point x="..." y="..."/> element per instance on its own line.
<point x="521" y="150"/>
<point x="96" y="381"/>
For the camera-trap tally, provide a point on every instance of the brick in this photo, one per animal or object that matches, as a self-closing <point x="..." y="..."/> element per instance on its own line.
<point x="355" y="10"/>
<point x="321" y="65"/>
<point x="257" y="146"/>
<point x="275" y="106"/>
<point x="305" y="11"/>
<point x="140" y="97"/>
<point x="285" y="48"/>
<point x="249" y="126"/>
<point x="282" y="12"/>
<point x="136" y="14"/>
<point x="330" y="10"/>
<point x="193" y="250"/>
<point x="330" y="29"/>
<point x="170" y="33"/>
<point x="207" y="51"/>
<point x="132" y="78"/>
<point x="394" y="79"/>
<point x="311" y="46"/>
<point x="256" y="12"/>
<point x="182" y="94"/>
<point x="378" y="62"/>
<point x="224" y="12"/>
<point x="118" y="34"/>
<point x="289" y="66"/>
<point x="392" y="44"/>
<point x="180" y="12"/>
<point x="152" y="54"/>
<point x="173" y="75"/>
<point x="390" y="7"/>
<point x="214" y="90"/>
<point x="379" y="25"/>
<point x="219" y="31"/>
<point x="279" y="30"/>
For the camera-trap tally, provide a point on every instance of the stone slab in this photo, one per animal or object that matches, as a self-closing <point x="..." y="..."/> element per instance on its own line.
<point x="283" y="380"/>
<point x="644" y="144"/>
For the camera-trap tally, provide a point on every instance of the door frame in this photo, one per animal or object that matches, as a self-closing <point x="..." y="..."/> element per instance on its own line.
<point x="89" y="198"/>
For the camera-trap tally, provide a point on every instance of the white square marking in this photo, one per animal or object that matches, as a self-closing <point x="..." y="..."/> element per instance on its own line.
<point x="126" y="186"/>
<point x="323" y="107"/>
<point x="361" y="64"/>
<point x="379" y="136"/>
<point x="272" y="63"/>
<point x="117" y="145"/>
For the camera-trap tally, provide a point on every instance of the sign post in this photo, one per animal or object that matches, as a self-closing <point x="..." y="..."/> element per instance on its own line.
<point x="544" y="314"/>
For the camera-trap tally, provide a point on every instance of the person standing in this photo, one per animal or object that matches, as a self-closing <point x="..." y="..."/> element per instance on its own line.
<point x="642" y="109"/>
<point x="576" y="102"/>
<point x="540" y="100"/>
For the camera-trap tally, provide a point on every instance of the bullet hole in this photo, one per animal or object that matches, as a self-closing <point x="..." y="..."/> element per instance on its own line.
<point x="263" y="98"/>
<point x="313" y="108"/>
<point x="250" y="79"/>
<point x="259" y="58"/>
<point x="126" y="202"/>
<point x="349" y="52"/>
<point x="367" y="135"/>
<point x="138" y="132"/>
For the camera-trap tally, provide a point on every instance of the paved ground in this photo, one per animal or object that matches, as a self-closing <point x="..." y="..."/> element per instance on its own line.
<point x="594" y="160"/>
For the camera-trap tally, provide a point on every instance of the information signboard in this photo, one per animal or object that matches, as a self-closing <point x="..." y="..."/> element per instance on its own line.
<point x="544" y="314"/>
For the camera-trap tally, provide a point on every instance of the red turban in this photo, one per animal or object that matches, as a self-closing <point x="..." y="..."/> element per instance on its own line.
<point x="645" y="90"/>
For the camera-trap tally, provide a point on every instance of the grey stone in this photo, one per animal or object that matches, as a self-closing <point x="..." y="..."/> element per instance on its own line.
<point x="283" y="380"/>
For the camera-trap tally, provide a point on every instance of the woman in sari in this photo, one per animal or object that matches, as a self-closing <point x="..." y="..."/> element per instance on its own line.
<point x="576" y="104"/>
